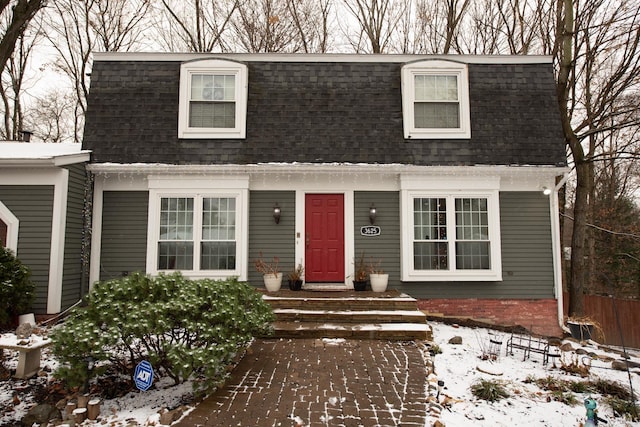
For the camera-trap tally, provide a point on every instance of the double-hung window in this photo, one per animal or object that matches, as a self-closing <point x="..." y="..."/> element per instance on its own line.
<point x="435" y="100"/>
<point x="199" y="233"/>
<point x="213" y="99"/>
<point x="451" y="236"/>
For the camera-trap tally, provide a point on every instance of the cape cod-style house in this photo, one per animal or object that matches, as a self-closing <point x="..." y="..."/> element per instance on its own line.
<point x="444" y="168"/>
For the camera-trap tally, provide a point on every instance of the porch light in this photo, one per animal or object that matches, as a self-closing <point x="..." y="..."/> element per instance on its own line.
<point x="372" y="214"/>
<point x="276" y="213"/>
<point x="546" y="191"/>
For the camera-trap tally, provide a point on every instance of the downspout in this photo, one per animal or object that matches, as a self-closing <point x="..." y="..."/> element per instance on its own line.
<point x="557" y="250"/>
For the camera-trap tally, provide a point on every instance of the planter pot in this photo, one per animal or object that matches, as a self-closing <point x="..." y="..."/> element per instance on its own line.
<point x="295" y="285"/>
<point x="360" y="285"/>
<point x="272" y="282"/>
<point x="580" y="331"/>
<point x="379" y="282"/>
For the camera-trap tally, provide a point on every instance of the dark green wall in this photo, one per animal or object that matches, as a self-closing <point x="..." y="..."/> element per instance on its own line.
<point x="268" y="237"/>
<point x="72" y="286"/>
<point x="33" y="206"/>
<point x="124" y="233"/>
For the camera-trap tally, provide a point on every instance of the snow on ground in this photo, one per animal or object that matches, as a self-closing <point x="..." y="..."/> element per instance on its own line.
<point x="527" y="405"/>
<point x="457" y="366"/>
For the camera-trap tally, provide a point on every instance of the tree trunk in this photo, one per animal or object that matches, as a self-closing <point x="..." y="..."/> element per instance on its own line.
<point x="578" y="249"/>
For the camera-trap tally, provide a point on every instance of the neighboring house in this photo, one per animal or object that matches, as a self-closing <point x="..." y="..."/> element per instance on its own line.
<point x="191" y="154"/>
<point x="42" y="194"/>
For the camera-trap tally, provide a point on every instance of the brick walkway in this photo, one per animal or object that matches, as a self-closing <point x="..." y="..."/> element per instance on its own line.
<point x="315" y="382"/>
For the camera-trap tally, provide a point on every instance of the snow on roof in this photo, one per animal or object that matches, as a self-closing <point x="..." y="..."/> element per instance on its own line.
<point x="24" y="152"/>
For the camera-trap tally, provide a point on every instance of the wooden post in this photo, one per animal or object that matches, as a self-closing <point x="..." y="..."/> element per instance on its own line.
<point x="93" y="409"/>
<point x="83" y="400"/>
<point x="71" y="406"/>
<point x="80" y="414"/>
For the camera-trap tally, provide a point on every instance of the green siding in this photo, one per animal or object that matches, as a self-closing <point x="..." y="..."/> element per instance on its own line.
<point x="527" y="262"/>
<point x="268" y="237"/>
<point x="33" y="206"/>
<point x="72" y="287"/>
<point x="386" y="246"/>
<point x="124" y="233"/>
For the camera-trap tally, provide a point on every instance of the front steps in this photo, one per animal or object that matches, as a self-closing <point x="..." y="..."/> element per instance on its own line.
<point x="347" y="314"/>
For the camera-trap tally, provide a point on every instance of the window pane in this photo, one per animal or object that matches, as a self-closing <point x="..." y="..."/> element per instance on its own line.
<point x="218" y="256"/>
<point x="430" y="256"/>
<point x="218" y="248"/>
<point x="175" y="255"/>
<point x="472" y="256"/>
<point x="212" y="87"/>
<point x="430" y="219"/>
<point x="472" y="234"/>
<point x="176" y="218"/>
<point x="436" y="115"/>
<point x="212" y="114"/>
<point x="435" y="88"/>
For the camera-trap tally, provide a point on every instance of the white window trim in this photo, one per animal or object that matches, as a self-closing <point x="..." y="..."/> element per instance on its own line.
<point x="242" y="221"/>
<point x="213" y="66"/>
<point x="431" y="67"/>
<point x="410" y="274"/>
<point x="13" y="225"/>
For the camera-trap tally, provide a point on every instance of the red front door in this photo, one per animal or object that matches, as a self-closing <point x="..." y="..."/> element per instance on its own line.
<point x="324" y="238"/>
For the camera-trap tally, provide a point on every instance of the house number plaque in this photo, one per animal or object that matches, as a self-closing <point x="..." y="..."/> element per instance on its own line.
<point x="370" y="230"/>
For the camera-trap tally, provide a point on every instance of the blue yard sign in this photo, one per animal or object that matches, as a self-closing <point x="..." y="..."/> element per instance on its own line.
<point x="143" y="376"/>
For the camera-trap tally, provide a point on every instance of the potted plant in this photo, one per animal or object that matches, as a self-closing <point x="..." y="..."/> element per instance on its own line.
<point x="360" y="274"/>
<point x="270" y="273"/>
<point x="377" y="277"/>
<point x="295" y="278"/>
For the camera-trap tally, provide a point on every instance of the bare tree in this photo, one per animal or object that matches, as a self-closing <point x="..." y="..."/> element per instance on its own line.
<point x="51" y="117"/>
<point x="311" y="20"/>
<point x="20" y="12"/>
<point x="77" y="29"/>
<point x="267" y="26"/>
<point x="194" y="25"/>
<point x="377" y="22"/>
<point x="598" y="57"/>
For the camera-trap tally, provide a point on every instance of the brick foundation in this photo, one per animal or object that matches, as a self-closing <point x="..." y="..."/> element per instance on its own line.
<point x="539" y="316"/>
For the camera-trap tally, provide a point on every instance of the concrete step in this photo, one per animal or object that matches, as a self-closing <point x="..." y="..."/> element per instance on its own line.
<point x="388" y="315"/>
<point x="381" y="331"/>
<point x="350" y="316"/>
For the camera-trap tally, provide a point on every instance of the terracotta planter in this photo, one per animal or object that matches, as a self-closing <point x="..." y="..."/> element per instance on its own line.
<point x="272" y="282"/>
<point x="379" y="282"/>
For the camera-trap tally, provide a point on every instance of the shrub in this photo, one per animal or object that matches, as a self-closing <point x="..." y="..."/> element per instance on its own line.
<point x="16" y="288"/>
<point x="489" y="390"/>
<point x="183" y="328"/>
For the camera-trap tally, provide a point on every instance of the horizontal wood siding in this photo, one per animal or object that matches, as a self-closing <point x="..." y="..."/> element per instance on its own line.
<point x="527" y="263"/>
<point x="124" y="233"/>
<point x="268" y="237"/>
<point x="72" y="286"/>
<point x="386" y="246"/>
<point x="33" y="206"/>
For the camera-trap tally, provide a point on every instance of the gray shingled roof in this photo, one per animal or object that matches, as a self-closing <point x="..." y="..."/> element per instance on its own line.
<point x="323" y="112"/>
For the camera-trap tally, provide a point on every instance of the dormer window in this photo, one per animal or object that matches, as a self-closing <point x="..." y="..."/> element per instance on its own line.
<point x="213" y="99"/>
<point x="435" y="100"/>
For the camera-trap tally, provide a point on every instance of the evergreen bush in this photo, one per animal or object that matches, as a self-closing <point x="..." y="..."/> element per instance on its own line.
<point x="184" y="328"/>
<point x="16" y="288"/>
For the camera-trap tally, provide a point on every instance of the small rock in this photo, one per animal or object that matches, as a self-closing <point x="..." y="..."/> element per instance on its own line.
<point x="24" y="330"/>
<point x="581" y="351"/>
<point x="619" y="365"/>
<point x="41" y="414"/>
<point x="438" y="423"/>
<point x="566" y="347"/>
<point x="456" y="340"/>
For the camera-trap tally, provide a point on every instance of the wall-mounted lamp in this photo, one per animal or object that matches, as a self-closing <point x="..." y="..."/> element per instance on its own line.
<point x="546" y="191"/>
<point x="276" y="213"/>
<point x="372" y="214"/>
